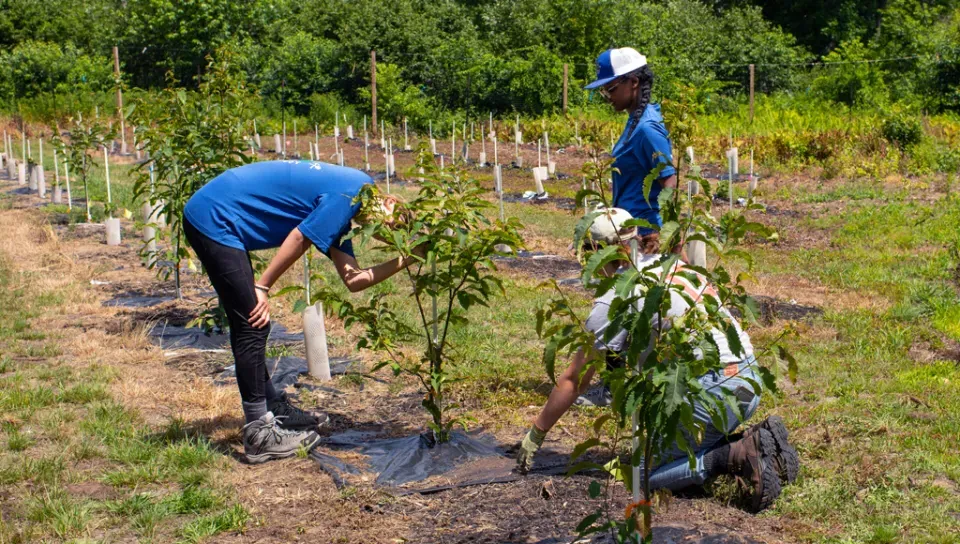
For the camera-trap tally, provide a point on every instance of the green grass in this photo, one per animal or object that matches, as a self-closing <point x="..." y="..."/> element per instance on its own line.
<point x="870" y="452"/>
<point x="62" y="428"/>
<point x="876" y="428"/>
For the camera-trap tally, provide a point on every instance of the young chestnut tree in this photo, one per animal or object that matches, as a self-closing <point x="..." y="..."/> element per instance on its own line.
<point x="655" y="387"/>
<point x="191" y="137"/>
<point x="454" y="274"/>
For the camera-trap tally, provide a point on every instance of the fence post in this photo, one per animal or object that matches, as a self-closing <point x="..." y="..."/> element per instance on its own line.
<point x="751" y="93"/>
<point x="565" y="72"/>
<point x="373" y="89"/>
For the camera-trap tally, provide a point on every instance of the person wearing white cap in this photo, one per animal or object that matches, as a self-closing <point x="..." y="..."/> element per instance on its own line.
<point x="761" y="458"/>
<point x="625" y="79"/>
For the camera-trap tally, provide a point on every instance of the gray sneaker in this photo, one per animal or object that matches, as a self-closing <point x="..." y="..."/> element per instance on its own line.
<point x="598" y="395"/>
<point x="264" y="440"/>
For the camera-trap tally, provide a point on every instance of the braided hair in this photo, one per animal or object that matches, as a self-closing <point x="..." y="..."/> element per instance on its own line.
<point x="645" y="76"/>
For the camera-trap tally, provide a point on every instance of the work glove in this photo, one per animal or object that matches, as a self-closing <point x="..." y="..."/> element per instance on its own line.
<point x="528" y="448"/>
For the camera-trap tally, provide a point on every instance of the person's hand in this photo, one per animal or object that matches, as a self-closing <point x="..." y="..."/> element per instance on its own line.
<point x="260" y="316"/>
<point x="528" y="448"/>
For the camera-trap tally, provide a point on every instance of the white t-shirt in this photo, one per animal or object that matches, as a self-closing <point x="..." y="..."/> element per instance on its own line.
<point x="598" y="321"/>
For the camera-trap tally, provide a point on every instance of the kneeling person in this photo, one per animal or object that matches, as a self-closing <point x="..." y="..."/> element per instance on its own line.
<point x="762" y="457"/>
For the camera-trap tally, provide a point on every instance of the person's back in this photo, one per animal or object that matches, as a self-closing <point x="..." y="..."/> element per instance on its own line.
<point x="598" y="321"/>
<point x="255" y="206"/>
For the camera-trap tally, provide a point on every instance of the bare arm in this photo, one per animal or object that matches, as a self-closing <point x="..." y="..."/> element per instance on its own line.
<point x="292" y="249"/>
<point x="564" y="394"/>
<point x="357" y="279"/>
<point x="669" y="181"/>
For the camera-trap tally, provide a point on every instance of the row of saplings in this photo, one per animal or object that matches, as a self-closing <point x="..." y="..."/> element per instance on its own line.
<point x="654" y="390"/>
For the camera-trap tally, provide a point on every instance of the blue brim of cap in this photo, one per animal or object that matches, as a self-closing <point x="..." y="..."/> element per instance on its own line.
<point x="600" y="82"/>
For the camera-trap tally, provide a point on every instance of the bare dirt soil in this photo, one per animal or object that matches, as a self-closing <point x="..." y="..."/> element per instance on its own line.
<point x="294" y="500"/>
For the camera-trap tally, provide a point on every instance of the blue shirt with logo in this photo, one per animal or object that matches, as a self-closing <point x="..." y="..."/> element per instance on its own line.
<point x="257" y="205"/>
<point x="636" y="153"/>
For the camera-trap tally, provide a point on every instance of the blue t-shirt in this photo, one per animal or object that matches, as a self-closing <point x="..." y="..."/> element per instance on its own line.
<point x="257" y="205"/>
<point x="635" y="156"/>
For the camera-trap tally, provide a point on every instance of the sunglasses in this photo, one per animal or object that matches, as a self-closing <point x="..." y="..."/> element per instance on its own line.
<point x="606" y="91"/>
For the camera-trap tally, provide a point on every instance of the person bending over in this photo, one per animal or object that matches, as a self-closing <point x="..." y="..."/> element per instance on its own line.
<point x="287" y="205"/>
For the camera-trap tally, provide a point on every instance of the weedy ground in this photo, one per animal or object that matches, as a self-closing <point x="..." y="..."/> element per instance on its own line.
<point x="105" y="436"/>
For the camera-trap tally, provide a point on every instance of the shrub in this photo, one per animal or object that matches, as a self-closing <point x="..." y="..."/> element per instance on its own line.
<point x="902" y="131"/>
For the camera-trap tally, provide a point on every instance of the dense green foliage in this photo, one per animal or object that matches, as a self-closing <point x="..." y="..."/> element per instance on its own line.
<point x="191" y="138"/>
<point x="481" y="55"/>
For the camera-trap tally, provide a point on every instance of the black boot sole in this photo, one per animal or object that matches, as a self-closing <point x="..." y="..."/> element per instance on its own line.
<point x="788" y="460"/>
<point x="769" y="478"/>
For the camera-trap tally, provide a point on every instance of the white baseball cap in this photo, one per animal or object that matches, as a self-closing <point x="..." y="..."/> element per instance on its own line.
<point x="614" y="63"/>
<point x="607" y="228"/>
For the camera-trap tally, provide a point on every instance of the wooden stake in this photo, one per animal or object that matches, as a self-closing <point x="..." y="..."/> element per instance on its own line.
<point x="565" y="71"/>
<point x="751" y="93"/>
<point x="373" y="89"/>
<point x="116" y="74"/>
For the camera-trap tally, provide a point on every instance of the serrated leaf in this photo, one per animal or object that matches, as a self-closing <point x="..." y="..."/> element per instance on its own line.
<point x="733" y="339"/>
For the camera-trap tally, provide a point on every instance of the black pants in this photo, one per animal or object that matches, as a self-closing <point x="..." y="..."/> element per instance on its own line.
<point x="231" y="273"/>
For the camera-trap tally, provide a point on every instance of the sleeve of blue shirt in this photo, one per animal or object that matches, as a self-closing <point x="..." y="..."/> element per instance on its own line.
<point x="653" y="150"/>
<point x="329" y="222"/>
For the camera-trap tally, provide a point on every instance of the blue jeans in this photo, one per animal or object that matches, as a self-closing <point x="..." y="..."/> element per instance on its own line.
<point x="674" y="472"/>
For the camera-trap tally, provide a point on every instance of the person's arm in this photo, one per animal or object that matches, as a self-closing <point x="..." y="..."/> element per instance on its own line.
<point x="357" y="278"/>
<point x="293" y="247"/>
<point x="669" y="181"/>
<point x="570" y="384"/>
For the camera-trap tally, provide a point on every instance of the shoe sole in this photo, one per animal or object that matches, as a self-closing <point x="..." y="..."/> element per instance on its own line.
<point x="264" y="457"/>
<point x="770" y="480"/>
<point x="788" y="459"/>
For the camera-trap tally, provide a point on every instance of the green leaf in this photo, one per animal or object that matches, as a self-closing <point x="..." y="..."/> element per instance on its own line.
<point x="598" y="260"/>
<point x="580" y="231"/>
<point x="582" y="447"/>
<point x="652" y="178"/>
<point x="791" y="363"/>
<point x="675" y="387"/>
<point x="733" y="339"/>
<point x="585" y="465"/>
<point x="588" y="522"/>
<point x="299" y="306"/>
<point x="595" y="489"/>
<point x="598" y="423"/>
<point x="550" y="358"/>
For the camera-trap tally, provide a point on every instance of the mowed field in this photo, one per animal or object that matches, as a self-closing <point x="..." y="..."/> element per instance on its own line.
<point x="108" y="437"/>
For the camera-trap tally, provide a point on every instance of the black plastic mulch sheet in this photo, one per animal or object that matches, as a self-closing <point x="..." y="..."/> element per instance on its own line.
<point x="285" y="371"/>
<point x="415" y="464"/>
<point x="173" y="337"/>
